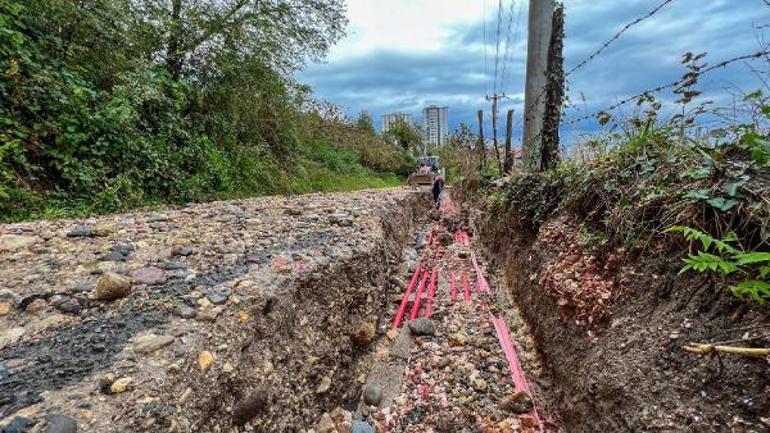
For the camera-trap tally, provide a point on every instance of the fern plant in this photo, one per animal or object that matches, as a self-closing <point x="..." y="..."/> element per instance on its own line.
<point x="726" y="256"/>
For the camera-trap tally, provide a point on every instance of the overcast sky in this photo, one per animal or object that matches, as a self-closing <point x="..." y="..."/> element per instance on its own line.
<point x="401" y="55"/>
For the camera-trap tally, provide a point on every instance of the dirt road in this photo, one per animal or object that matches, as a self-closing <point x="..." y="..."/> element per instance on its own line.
<point x="258" y="315"/>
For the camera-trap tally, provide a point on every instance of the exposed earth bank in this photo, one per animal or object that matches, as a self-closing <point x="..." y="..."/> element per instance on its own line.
<point x="610" y="329"/>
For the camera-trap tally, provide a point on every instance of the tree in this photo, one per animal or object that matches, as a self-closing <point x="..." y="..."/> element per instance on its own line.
<point x="405" y="134"/>
<point x="199" y="34"/>
<point x="365" y="123"/>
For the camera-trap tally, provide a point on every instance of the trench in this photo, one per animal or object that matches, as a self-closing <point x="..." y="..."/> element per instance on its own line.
<point x="627" y="372"/>
<point x="301" y="358"/>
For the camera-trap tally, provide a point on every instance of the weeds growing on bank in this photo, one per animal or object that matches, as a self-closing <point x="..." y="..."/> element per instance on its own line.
<point x="645" y="177"/>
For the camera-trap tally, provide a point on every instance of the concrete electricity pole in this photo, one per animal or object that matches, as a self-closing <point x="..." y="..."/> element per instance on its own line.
<point x="494" y="98"/>
<point x="540" y="25"/>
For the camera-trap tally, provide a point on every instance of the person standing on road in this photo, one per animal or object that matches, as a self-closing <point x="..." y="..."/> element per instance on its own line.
<point x="438" y="189"/>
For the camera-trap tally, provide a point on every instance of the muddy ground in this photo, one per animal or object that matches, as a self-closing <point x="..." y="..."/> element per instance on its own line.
<point x="611" y="328"/>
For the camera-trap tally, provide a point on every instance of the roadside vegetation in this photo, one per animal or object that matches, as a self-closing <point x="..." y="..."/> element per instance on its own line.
<point x="694" y="185"/>
<point x="646" y="182"/>
<point x="111" y="105"/>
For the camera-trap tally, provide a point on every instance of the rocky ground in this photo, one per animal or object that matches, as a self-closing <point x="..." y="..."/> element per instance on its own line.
<point x="229" y="316"/>
<point x="258" y="316"/>
<point x="449" y="369"/>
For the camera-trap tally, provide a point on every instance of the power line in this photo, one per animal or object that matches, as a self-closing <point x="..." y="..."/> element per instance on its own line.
<point x="507" y="53"/>
<point x="686" y="78"/>
<point x="484" y="21"/>
<point x="497" y="43"/>
<point x="617" y="36"/>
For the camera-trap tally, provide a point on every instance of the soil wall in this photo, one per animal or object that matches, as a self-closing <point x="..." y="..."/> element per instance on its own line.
<point x="622" y="368"/>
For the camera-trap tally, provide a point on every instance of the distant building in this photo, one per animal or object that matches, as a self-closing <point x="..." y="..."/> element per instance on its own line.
<point x="434" y="121"/>
<point x="389" y="119"/>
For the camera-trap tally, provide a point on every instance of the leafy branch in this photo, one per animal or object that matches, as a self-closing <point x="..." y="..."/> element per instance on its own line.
<point x="726" y="257"/>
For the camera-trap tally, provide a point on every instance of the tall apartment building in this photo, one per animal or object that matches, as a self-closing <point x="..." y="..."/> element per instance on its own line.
<point x="434" y="122"/>
<point x="390" y="119"/>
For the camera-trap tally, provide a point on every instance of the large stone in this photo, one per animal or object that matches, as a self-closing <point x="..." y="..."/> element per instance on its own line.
<point x="149" y="275"/>
<point x="480" y="385"/>
<point x="373" y="394"/>
<point x="324" y="386"/>
<point x="185" y="312"/>
<point x="103" y="230"/>
<point x="120" y="385"/>
<point x="112" y="286"/>
<point x="80" y="232"/>
<point x="341" y="219"/>
<point x="70" y="305"/>
<point x="36" y="306"/>
<point x="5" y="308"/>
<point x="519" y="402"/>
<point x="16" y="242"/>
<point x="363" y="333"/>
<point x="205" y="360"/>
<point x="153" y="343"/>
<point x="218" y="295"/>
<point x="458" y="339"/>
<point x="422" y="326"/>
<point x="326" y="425"/>
<point x="250" y="406"/>
<point x="61" y="424"/>
<point x="17" y="425"/>
<point x="362" y="427"/>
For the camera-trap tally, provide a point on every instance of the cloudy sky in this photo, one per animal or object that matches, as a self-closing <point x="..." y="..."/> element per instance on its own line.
<point x="401" y="55"/>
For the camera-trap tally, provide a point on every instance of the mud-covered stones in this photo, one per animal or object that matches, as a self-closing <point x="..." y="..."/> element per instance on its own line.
<point x="248" y="408"/>
<point x="519" y="402"/>
<point x="422" y="326"/>
<point x="61" y="424"/>
<point x="373" y="394"/>
<point x="363" y="333"/>
<point x="111" y="286"/>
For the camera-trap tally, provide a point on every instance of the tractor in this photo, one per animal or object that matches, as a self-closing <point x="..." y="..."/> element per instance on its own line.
<point x="427" y="171"/>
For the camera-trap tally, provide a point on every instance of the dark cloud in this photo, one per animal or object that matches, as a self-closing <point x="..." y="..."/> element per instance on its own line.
<point x="647" y="55"/>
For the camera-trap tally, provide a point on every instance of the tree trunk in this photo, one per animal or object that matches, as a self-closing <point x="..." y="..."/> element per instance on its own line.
<point x="174" y="55"/>
<point x="482" y="151"/>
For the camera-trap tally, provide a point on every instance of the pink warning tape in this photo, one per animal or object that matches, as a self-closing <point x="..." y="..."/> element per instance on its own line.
<point x="504" y="337"/>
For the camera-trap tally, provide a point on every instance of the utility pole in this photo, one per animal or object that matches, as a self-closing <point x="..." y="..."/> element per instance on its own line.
<point x="482" y="151"/>
<point x="494" y="98"/>
<point x="538" y="41"/>
<point x="508" y="164"/>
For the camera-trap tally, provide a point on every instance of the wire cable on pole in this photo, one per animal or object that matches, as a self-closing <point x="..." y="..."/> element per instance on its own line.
<point x="484" y="21"/>
<point x="687" y="77"/>
<point x="497" y="44"/>
<point x="508" y="53"/>
<point x="617" y="36"/>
